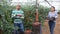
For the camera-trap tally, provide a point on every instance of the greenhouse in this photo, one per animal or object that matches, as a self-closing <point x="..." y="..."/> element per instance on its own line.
<point x="29" y="16"/>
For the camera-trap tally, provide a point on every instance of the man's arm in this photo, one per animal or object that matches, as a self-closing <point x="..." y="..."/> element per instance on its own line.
<point x="13" y="14"/>
<point x="22" y="15"/>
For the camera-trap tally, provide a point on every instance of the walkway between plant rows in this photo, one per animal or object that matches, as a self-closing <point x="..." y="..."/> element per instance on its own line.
<point x="45" y="28"/>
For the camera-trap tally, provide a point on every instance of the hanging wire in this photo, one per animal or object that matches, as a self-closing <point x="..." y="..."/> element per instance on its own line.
<point x="48" y="2"/>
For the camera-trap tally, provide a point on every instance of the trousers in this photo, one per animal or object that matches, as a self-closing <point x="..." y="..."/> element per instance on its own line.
<point x="51" y="26"/>
<point x="20" y="26"/>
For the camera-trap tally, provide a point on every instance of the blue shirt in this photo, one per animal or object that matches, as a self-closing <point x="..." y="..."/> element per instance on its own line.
<point x="50" y="14"/>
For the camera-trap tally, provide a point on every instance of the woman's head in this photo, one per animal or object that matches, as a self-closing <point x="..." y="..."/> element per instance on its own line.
<point x="52" y="8"/>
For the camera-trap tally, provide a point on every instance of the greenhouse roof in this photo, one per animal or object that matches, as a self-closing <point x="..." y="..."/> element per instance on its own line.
<point x="41" y="2"/>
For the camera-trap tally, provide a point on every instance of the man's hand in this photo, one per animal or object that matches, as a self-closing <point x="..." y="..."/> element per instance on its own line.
<point x="19" y="15"/>
<point x="22" y="17"/>
<point x="13" y="15"/>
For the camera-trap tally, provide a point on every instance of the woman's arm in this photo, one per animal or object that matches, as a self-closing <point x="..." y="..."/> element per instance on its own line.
<point x="48" y="17"/>
<point x="56" y="15"/>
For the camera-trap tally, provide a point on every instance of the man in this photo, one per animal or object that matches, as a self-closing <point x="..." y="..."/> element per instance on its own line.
<point x="18" y="22"/>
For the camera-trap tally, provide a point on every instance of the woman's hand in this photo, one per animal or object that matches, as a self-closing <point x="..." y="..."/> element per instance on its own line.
<point x="52" y="18"/>
<point x="47" y="17"/>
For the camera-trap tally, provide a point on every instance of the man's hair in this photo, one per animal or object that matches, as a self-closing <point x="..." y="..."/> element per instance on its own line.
<point x="18" y="5"/>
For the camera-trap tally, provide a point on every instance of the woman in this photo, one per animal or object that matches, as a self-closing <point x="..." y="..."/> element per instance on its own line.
<point x="52" y="15"/>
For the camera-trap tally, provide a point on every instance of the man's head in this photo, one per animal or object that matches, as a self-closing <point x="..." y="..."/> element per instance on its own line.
<point x="18" y="7"/>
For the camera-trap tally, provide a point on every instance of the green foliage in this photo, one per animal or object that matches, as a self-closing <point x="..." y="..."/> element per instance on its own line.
<point x="6" y="26"/>
<point x="29" y="12"/>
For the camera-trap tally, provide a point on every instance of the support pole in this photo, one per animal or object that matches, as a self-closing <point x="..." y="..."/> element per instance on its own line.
<point x="37" y="24"/>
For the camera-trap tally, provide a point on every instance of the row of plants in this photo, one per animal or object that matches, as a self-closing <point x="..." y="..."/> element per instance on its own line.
<point x="29" y="12"/>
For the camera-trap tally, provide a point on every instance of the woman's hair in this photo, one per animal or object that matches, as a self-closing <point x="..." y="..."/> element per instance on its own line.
<point x="53" y="7"/>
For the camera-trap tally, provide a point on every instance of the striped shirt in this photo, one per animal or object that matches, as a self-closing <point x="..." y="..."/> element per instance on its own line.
<point x="17" y="12"/>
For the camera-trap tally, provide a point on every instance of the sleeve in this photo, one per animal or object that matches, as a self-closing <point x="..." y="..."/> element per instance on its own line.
<point x="48" y="14"/>
<point x="13" y="14"/>
<point x="56" y="15"/>
<point x="22" y="15"/>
